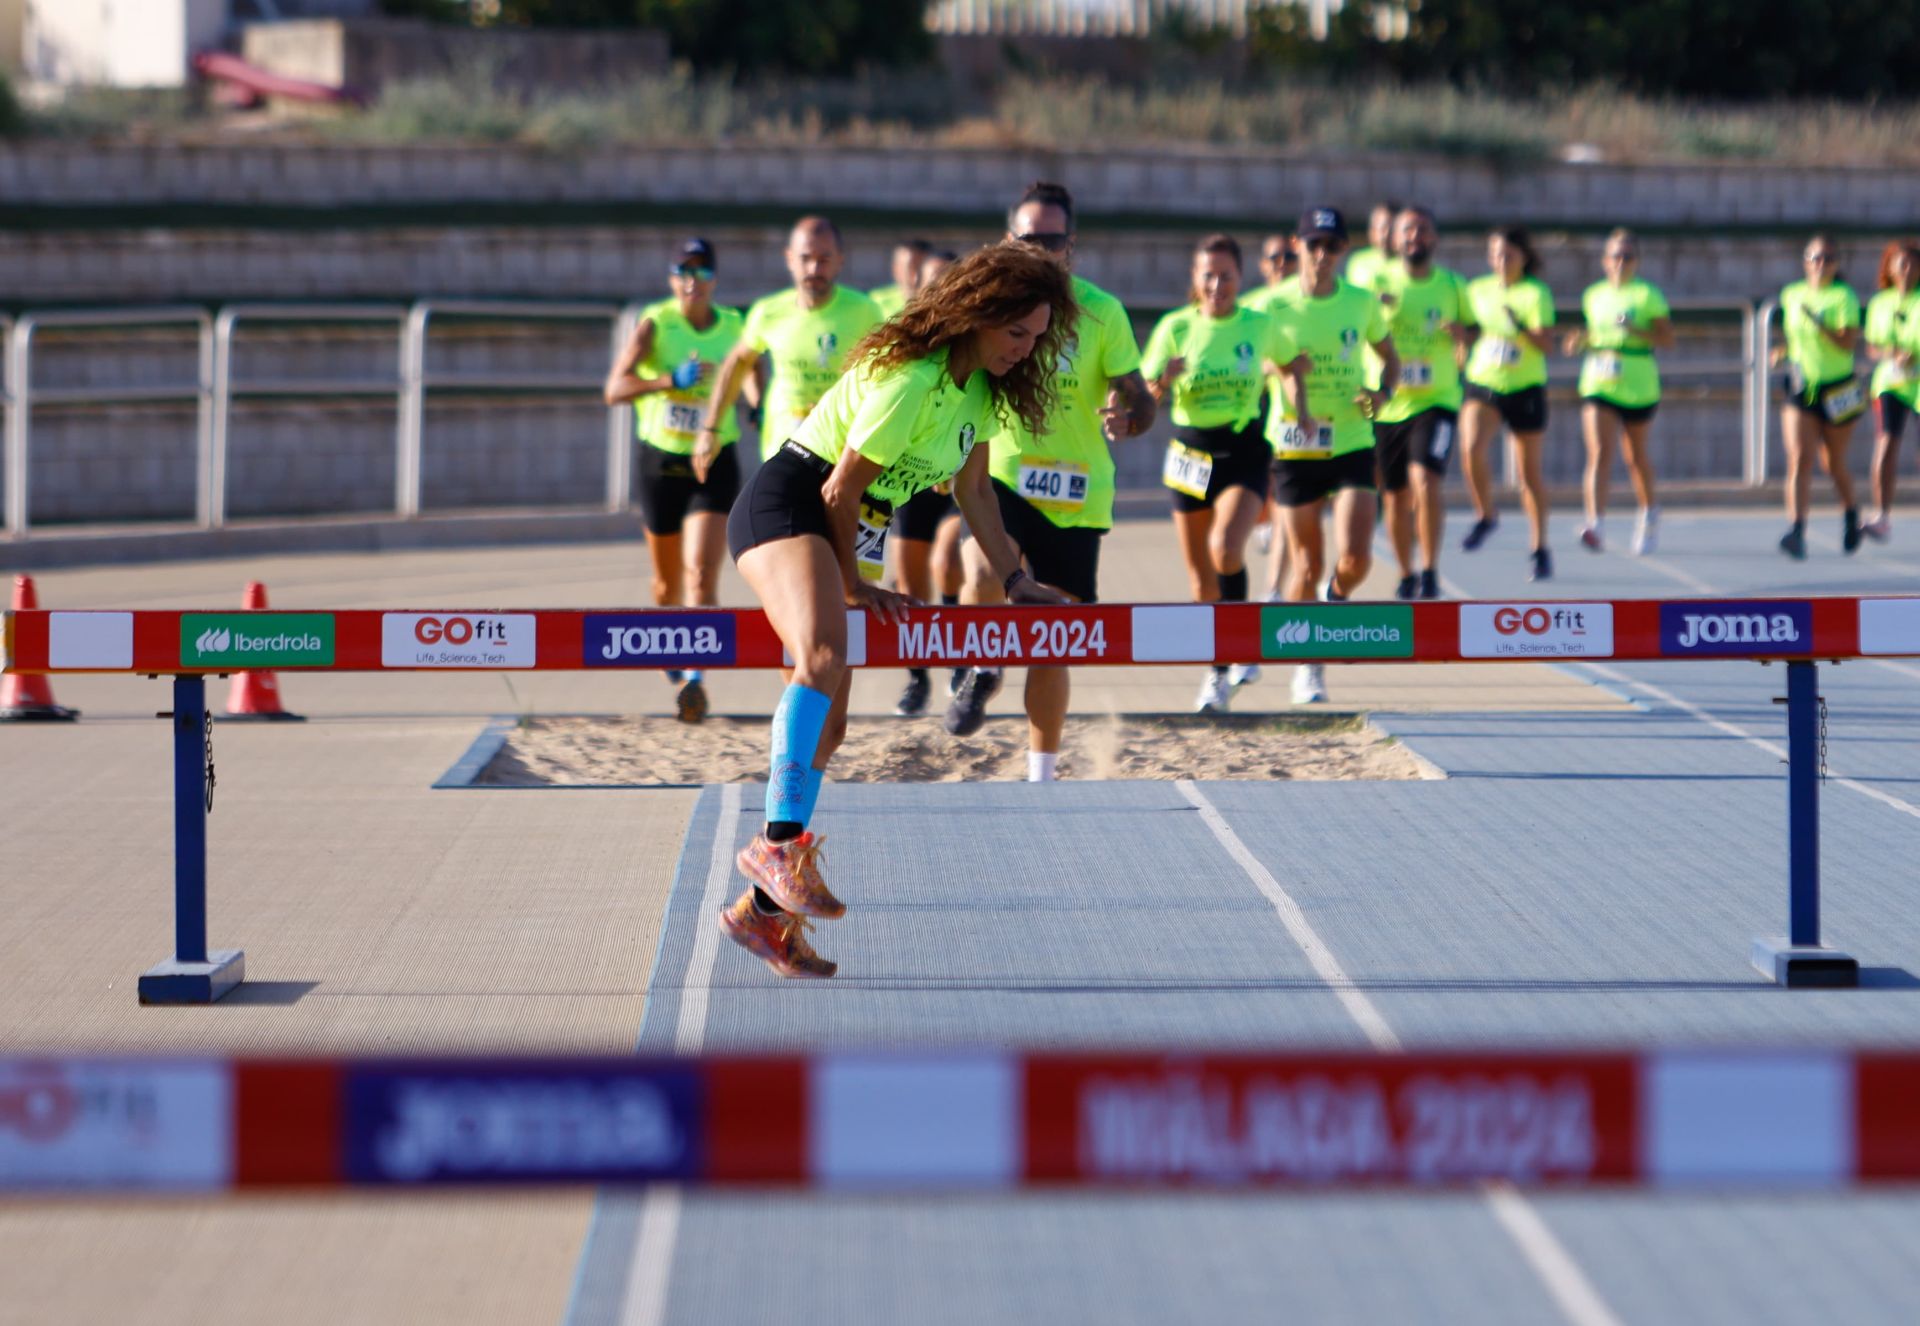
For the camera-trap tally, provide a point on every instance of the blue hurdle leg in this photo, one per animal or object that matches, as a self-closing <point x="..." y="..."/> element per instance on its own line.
<point x="1801" y="960"/>
<point x="193" y="975"/>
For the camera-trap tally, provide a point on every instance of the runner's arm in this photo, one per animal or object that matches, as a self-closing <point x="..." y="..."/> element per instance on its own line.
<point x="1661" y="334"/>
<point x="622" y="385"/>
<point x="973" y="490"/>
<point x="1293" y="381"/>
<point x="1135" y="402"/>
<point x="1389" y="369"/>
<point x="726" y="387"/>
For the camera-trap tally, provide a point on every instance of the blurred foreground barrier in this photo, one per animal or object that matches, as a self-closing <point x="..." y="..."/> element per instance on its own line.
<point x="968" y="1121"/>
<point x="192" y="645"/>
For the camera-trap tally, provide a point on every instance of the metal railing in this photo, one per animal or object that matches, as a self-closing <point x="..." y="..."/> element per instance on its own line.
<point x="216" y="386"/>
<point x="25" y="395"/>
<point x="418" y="381"/>
<point x="226" y="390"/>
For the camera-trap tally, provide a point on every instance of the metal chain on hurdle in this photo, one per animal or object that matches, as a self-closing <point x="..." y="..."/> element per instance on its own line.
<point x="208" y="728"/>
<point x="1823" y="743"/>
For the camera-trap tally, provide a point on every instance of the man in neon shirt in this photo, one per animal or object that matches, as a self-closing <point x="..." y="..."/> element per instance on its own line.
<point x="802" y="336"/>
<point x="909" y="260"/>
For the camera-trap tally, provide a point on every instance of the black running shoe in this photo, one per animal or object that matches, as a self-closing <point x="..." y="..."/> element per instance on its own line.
<point x="1429" y="584"/>
<point x="969" y="708"/>
<point x="1850" y="530"/>
<point x="1478" y="534"/>
<point x="956" y="681"/>
<point x="1409" y="587"/>
<point x="1794" y="544"/>
<point x="1539" y="564"/>
<point x="692" y="702"/>
<point x="913" y="700"/>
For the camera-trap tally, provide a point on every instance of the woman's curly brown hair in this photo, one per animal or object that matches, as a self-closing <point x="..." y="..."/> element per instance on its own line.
<point x="991" y="287"/>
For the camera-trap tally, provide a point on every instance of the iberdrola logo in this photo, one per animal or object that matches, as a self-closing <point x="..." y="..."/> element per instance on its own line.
<point x="214" y="642"/>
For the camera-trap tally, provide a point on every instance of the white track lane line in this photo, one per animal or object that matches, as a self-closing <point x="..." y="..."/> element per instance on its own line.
<point x="1579" y="1301"/>
<point x="1734" y="730"/>
<point x="651" y="1266"/>
<point x="1549" y="1258"/>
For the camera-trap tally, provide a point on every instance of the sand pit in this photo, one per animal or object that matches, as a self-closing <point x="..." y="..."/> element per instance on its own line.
<point x="602" y="752"/>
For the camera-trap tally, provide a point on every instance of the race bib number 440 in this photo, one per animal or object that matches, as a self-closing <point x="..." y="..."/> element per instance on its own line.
<point x="1054" y="485"/>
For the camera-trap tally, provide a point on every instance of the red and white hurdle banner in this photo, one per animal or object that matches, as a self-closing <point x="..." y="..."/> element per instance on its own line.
<point x="956" y="1120"/>
<point x="463" y="638"/>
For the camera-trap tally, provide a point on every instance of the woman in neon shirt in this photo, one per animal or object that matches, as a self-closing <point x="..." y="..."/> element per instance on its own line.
<point x="1893" y="327"/>
<point x="1820" y="321"/>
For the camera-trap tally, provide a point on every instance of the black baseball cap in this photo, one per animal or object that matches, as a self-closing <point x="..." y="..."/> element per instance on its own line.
<point x="1322" y="221"/>
<point x="696" y="252"/>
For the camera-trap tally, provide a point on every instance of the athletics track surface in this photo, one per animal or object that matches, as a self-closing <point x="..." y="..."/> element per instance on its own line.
<point x="1586" y="880"/>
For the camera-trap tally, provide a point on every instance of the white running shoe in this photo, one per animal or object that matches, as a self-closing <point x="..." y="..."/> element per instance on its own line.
<point x="1243" y="674"/>
<point x="1215" y="694"/>
<point x="1646" y="534"/>
<point x="1263" y="536"/>
<point x="1309" y="684"/>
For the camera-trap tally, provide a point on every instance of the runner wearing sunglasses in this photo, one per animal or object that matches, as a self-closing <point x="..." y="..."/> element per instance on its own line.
<point x="687" y="481"/>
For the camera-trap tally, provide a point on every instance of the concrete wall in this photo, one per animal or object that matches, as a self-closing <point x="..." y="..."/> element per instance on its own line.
<point x="1188" y="187"/>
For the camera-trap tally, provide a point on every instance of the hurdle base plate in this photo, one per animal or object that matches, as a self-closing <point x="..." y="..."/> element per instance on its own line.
<point x="1805" y="966"/>
<point x="175" y="982"/>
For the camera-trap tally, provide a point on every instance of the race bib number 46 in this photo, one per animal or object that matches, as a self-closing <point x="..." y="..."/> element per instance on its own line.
<point x="1187" y="471"/>
<point x="1294" y="438"/>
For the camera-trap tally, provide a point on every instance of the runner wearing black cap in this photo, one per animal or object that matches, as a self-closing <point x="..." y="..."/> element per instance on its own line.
<point x="687" y="480"/>
<point x="1322" y="432"/>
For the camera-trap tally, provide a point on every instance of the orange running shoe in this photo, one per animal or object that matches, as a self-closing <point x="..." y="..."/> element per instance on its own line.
<point x="780" y="940"/>
<point x="790" y="873"/>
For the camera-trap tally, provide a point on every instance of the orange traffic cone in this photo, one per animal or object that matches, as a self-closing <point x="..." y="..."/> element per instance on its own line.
<point x="29" y="699"/>
<point x="255" y="696"/>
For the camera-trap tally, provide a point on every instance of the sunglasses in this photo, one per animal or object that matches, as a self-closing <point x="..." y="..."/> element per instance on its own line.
<point x="1052" y="241"/>
<point x="1821" y="258"/>
<point x="697" y="273"/>
<point x="1320" y="245"/>
<point x="1277" y="255"/>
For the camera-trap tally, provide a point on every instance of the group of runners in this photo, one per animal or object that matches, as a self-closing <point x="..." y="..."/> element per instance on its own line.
<point x="971" y="409"/>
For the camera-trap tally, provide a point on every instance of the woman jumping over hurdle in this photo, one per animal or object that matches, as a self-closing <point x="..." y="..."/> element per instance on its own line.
<point x="809" y="531"/>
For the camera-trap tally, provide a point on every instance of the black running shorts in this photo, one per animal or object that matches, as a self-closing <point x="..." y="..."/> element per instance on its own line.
<point x="781" y="501"/>
<point x="669" y="493"/>
<point x="1241" y="459"/>
<point x="1428" y="438"/>
<point x="1523" y="411"/>
<point x="920" y="518"/>
<point x="1304" y="482"/>
<point x="1064" y="556"/>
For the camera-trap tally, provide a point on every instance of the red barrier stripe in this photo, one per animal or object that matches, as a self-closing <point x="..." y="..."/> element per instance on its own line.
<point x="288" y="1124"/>
<point x="757" y="1123"/>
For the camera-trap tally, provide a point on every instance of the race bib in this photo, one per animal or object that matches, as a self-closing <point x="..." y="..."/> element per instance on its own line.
<point x="1187" y="471"/>
<point x="1606" y="365"/>
<point x="870" y="543"/>
<point x="682" y="418"/>
<point x="1506" y="354"/>
<point x="1845" y="402"/>
<point x="1054" y="485"/>
<point x="1293" y="438"/>
<point x="1416" y="373"/>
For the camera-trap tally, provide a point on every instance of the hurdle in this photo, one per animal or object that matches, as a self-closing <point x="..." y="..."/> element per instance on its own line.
<point x="191" y="646"/>
<point x="967" y="1121"/>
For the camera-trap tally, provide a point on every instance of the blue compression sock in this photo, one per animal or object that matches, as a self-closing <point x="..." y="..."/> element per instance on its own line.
<point x="796" y="736"/>
<point x="811" y="796"/>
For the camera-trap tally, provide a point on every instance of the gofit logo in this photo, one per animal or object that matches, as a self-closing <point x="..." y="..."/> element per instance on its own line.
<point x="256" y="640"/>
<point x="1359" y="630"/>
<point x="457" y="640"/>
<point x="1759" y="626"/>
<point x="659" y="640"/>
<point x="1536" y="630"/>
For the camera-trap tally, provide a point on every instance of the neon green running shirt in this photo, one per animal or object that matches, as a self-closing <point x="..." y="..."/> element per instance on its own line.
<point x="808" y="348"/>
<point x="1502" y="360"/>
<point x="1619" y="364"/>
<point x="889" y="299"/>
<point x="1893" y="321"/>
<point x="1801" y="306"/>
<point x="1333" y="332"/>
<point x="911" y="420"/>
<point x="670" y="420"/>
<point x="1417" y="319"/>
<point x="1072" y="455"/>
<point x="1222" y="382"/>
